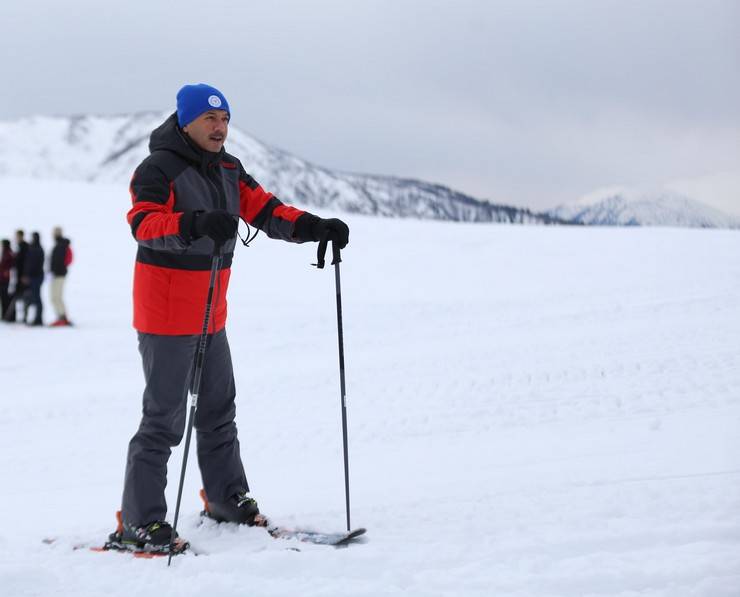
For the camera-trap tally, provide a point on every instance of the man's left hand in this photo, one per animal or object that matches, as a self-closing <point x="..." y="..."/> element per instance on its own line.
<point x="333" y="229"/>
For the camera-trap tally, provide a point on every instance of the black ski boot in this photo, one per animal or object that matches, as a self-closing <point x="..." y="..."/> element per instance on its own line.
<point x="239" y="508"/>
<point x="152" y="538"/>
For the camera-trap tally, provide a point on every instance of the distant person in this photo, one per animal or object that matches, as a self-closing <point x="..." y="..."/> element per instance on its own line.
<point x="61" y="258"/>
<point x="6" y="265"/>
<point x="33" y="278"/>
<point x="20" y="286"/>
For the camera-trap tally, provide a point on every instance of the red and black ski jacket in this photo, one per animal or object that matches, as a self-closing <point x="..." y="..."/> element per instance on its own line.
<point x="61" y="257"/>
<point x="172" y="269"/>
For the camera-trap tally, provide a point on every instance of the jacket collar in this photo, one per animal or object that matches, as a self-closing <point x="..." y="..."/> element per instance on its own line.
<point x="170" y="137"/>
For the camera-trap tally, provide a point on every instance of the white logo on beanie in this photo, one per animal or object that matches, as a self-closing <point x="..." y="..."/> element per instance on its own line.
<point x="214" y="101"/>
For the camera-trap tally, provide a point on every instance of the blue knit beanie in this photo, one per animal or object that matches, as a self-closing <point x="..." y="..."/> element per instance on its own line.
<point x="193" y="100"/>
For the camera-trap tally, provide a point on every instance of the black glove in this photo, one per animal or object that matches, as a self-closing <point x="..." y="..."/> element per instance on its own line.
<point x="219" y="224"/>
<point x="309" y="227"/>
<point x="334" y="230"/>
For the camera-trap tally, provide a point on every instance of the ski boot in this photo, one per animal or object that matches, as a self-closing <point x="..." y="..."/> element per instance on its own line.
<point x="239" y="508"/>
<point x="153" y="538"/>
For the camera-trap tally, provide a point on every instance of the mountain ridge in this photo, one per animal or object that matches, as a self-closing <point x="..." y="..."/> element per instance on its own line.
<point x="107" y="148"/>
<point x="625" y="206"/>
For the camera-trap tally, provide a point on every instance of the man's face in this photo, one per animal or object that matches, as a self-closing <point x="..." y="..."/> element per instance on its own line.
<point x="209" y="130"/>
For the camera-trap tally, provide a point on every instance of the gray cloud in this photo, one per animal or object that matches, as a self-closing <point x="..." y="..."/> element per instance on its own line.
<point x="525" y="102"/>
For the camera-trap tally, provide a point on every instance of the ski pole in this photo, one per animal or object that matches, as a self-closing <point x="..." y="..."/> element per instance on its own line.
<point x="340" y="334"/>
<point x="215" y="266"/>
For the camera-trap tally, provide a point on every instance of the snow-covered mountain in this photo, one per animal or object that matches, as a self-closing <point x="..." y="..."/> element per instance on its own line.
<point x="621" y="206"/>
<point x="108" y="148"/>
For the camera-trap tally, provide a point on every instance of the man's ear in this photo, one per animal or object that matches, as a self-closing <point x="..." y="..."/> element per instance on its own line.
<point x="185" y="128"/>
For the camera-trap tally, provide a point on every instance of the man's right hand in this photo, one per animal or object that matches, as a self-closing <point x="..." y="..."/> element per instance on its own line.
<point x="219" y="225"/>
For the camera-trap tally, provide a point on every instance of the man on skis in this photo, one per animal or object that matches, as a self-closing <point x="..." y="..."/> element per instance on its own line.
<point x="188" y="196"/>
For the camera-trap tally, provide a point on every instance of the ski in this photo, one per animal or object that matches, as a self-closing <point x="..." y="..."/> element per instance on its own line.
<point x="276" y="531"/>
<point x="336" y="539"/>
<point x="316" y="537"/>
<point x="115" y="545"/>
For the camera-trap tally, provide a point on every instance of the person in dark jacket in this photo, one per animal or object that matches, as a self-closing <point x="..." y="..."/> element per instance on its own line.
<point x="33" y="278"/>
<point x="20" y="286"/>
<point x="6" y="265"/>
<point x="188" y="196"/>
<point x="61" y="258"/>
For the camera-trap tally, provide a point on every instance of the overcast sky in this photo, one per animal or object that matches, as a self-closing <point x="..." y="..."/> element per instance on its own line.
<point x="521" y="102"/>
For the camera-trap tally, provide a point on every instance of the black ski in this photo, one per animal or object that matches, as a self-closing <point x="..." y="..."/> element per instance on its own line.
<point x="316" y="537"/>
<point x="336" y="539"/>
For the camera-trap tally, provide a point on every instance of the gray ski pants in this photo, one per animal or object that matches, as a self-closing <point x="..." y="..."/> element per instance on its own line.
<point x="169" y="365"/>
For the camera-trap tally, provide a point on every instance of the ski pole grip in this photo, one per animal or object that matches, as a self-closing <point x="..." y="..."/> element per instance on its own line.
<point x="321" y="252"/>
<point x="336" y="257"/>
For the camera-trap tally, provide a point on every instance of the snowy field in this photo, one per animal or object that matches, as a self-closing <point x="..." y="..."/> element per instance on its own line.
<point x="532" y="412"/>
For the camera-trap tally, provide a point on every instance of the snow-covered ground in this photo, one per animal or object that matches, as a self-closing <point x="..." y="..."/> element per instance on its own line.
<point x="533" y="412"/>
